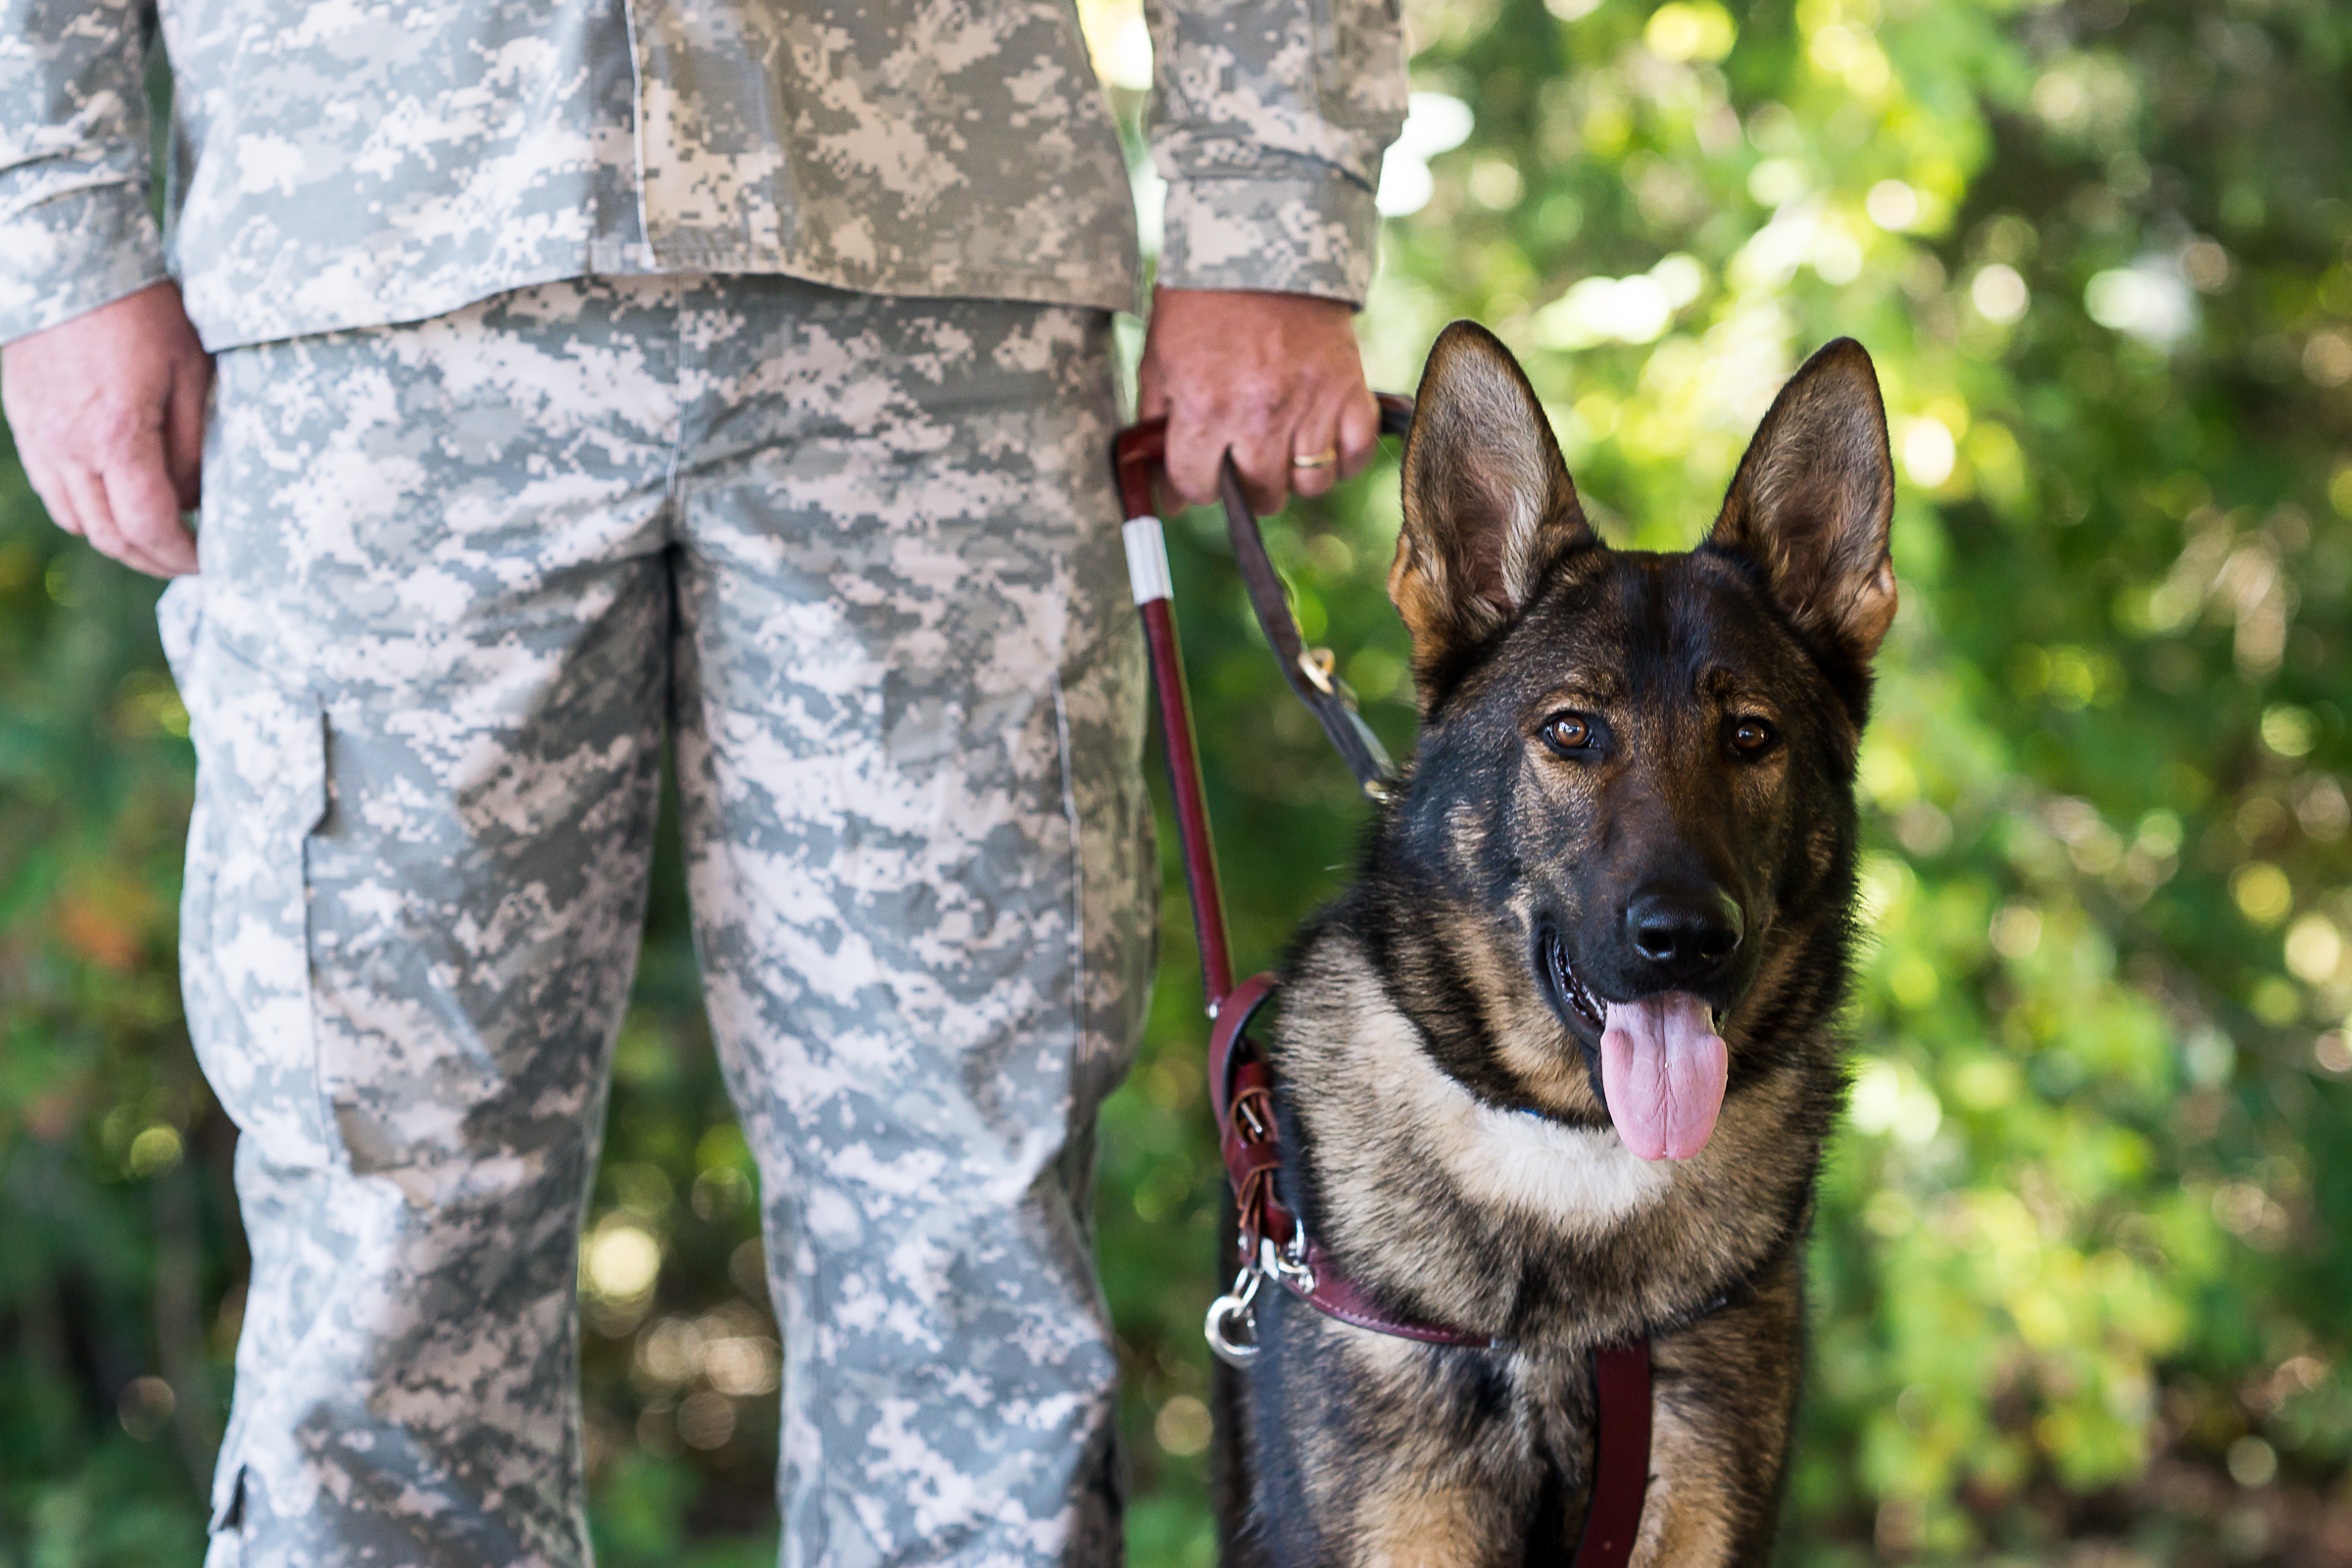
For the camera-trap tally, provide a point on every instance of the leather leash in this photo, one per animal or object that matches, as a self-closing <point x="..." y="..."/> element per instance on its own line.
<point x="1274" y="1244"/>
<point x="1135" y="457"/>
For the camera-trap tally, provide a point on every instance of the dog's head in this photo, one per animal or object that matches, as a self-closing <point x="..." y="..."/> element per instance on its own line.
<point x="1639" y="765"/>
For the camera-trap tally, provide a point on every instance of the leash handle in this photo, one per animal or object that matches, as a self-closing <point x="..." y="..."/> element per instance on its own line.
<point x="1136" y="454"/>
<point x="1147" y="573"/>
<point x="1136" y="451"/>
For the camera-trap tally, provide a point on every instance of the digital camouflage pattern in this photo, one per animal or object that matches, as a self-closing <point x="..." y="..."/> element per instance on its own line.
<point x="861" y="557"/>
<point x="337" y="164"/>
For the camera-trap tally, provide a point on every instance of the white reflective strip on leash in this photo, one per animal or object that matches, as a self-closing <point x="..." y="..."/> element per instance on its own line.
<point x="1147" y="560"/>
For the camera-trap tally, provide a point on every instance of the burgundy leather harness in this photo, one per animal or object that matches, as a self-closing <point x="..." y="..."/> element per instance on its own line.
<point x="1274" y="1244"/>
<point x="1241" y="1091"/>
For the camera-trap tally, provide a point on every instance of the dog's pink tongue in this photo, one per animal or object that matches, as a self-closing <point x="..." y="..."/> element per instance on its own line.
<point x="1662" y="1066"/>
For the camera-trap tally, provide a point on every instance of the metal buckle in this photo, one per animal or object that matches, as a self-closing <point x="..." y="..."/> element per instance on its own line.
<point x="1237" y="1307"/>
<point x="1290" y="1264"/>
<point x="1251" y="1123"/>
<point x="1317" y="664"/>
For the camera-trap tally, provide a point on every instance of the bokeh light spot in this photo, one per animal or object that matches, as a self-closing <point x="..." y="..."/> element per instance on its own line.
<point x="1689" y="29"/>
<point x="1998" y="293"/>
<point x="1891" y="204"/>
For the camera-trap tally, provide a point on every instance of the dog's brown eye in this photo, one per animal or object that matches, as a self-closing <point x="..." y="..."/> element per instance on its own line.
<point x="1566" y="732"/>
<point x="1752" y="736"/>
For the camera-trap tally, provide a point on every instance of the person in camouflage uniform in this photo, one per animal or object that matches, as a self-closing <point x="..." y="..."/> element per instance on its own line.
<point x="730" y="371"/>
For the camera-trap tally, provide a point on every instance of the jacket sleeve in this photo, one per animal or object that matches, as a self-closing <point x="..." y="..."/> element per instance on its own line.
<point x="1268" y="120"/>
<point x="75" y="231"/>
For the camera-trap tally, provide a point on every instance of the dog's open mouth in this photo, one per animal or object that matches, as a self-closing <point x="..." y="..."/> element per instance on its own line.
<point x="1664" y="1066"/>
<point x="1564" y="981"/>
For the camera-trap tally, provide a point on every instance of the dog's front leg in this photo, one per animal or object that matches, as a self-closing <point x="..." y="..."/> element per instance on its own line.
<point x="1724" y="1400"/>
<point x="1394" y="1454"/>
<point x="1405" y="1524"/>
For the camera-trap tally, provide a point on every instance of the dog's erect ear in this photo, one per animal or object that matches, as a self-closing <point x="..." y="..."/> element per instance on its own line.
<point x="1812" y="499"/>
<point x="1488" y="500"/>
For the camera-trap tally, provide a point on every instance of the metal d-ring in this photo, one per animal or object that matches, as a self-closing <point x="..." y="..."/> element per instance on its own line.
<point x="1236" y="1307"/>
<point x="1290" y="1264"/>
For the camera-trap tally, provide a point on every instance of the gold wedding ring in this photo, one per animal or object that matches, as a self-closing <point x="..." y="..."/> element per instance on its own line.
<point x="1321" y="459"/>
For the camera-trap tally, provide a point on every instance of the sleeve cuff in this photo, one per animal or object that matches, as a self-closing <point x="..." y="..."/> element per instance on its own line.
<point x="1315" y="232"/>
<point x="71" y="253"/>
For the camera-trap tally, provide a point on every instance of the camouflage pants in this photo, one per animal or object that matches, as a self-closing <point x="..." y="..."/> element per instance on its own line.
<point x="861" y="557"/>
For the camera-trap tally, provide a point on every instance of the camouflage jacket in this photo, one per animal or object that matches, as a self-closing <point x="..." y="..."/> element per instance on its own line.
<point x="348" y="162"/>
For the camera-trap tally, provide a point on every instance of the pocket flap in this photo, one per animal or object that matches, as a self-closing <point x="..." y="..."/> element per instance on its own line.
<point x="264" y="740"/>
<point x="245" y="962"/>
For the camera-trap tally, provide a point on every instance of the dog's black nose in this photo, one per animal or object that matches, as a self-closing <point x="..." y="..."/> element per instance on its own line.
<point x="1689" y="933"/>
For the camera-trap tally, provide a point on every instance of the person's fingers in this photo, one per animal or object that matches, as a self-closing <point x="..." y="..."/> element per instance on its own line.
<point x="1271" y="378"/>
<point x="94" y="507"/>
<point x="1151" y="390"/>
<point x="1151" y="402"/>
<point x="50" y="485"/>
<point x="143" y="504"/>
<point x="1192" y="458"/>
<point x="1358" y="434"/>
<point x="183" y="430"/>
<point x="1259" y="424"/>
<point x="1317" y="439"/>
<point x="1262" y="452"/>
<point x="1346" y="430"/>
<point x="107" y="410"/>
<point x="85" y="491"/>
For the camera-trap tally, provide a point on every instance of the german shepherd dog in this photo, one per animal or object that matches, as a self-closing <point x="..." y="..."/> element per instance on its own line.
<point x="1558" y="1068"/>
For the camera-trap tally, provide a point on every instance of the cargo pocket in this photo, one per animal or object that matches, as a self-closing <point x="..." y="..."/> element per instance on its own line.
<point x="244" y="915"/>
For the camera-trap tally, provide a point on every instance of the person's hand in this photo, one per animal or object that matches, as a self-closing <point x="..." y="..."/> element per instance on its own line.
<point x="1273" y="376"/>
<point x="108" y="415"/>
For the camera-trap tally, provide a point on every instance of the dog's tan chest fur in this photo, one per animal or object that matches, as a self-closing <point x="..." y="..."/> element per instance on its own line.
<point x="1581" y="1179"/>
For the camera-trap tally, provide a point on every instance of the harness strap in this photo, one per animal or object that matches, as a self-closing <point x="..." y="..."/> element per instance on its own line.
<point x="1242" y="1094"/>
<point x="1621" y="1455"/>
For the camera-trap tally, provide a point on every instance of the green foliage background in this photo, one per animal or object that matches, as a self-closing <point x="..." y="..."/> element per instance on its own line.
<point x="2079" y="1288"/>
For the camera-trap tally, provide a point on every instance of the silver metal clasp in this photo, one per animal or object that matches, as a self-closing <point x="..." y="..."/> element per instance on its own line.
<point x="1290" y="1264"/>
<point x="1231" y="1327"/>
